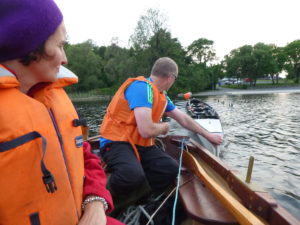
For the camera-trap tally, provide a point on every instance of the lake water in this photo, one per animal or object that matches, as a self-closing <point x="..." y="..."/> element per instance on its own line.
<point x="264" y="126"/>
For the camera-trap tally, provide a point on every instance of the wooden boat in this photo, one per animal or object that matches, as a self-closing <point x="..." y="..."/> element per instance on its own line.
<point x="207" y="118"/>
<point x="211" y="193"/>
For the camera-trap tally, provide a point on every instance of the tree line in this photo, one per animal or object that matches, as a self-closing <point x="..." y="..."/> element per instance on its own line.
<point x="263" y="60"/>
<point x="104" y="68"/>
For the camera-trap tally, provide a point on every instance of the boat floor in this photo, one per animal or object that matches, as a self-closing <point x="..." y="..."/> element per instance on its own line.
<point x="200" y="204"/>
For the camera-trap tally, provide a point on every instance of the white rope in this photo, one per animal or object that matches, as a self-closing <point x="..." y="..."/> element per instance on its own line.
<point x="178" y="181"/>
<point x="164" y="201"/>
<point x="147" y="215"/>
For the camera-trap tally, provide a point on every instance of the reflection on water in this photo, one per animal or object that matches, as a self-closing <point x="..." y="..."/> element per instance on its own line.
<point x="264" y="126"/>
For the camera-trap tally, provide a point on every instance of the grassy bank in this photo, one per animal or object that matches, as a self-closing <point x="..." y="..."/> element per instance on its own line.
<point x="104" y="94"/>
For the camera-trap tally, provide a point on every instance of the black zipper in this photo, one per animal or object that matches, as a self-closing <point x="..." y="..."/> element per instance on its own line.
<point x="59" y="136"/>
<point x="60" y="141"/>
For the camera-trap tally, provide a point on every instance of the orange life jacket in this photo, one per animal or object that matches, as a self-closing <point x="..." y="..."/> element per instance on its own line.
<point x="39" y="149"/>
<point x="119" y="122"/>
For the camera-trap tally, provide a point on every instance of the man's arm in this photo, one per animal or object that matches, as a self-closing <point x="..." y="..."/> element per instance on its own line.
<point x="187" y="122"/>
<point x="146" y="127"/>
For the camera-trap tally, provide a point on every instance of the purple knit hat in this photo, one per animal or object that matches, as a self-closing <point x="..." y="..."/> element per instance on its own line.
<point x="25" y="25"/>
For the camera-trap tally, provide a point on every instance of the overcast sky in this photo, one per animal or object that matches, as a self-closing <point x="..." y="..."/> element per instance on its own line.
<point x="229" y="23"/>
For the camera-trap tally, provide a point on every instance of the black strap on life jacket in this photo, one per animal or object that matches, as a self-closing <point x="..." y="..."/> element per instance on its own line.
<point x="35" y="219"/>
<point x="48" y="178"/>
<point x="80" y="121"/>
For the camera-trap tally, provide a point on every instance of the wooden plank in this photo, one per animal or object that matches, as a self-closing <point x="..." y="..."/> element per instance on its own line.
<point x="241" y="213"/>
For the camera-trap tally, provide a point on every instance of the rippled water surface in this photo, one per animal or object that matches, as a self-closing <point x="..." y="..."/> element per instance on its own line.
<point x="264" y="126"/>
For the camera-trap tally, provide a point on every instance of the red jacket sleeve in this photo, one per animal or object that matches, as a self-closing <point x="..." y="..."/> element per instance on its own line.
<point x="95" y="178"/>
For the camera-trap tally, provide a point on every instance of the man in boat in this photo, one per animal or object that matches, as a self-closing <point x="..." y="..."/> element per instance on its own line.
<point x="132" y="122"/>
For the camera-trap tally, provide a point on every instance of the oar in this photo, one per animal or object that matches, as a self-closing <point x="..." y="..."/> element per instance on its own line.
<point x="93" y="138"/>
<point x="242" y="214"/>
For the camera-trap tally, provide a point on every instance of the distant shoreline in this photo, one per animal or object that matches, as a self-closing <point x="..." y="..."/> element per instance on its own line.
<point x="103" y="98"/>
<point x="218" y="92"/>
<point x="254" y="91"/>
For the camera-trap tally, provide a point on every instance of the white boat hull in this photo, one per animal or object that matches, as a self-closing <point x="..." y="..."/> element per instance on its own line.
<point x="208" y="119"/>
<point x="212" y="126"/>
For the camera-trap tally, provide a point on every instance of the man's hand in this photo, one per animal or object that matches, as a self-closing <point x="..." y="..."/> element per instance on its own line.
<point x="215" y="139"/>
<point x="165" y="128"/>
<point x="190" y="124"/>
<point x="93" y="214"/>
<point x="146" y="127"/>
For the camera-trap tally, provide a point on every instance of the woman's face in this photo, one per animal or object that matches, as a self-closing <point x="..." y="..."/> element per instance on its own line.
<point x="46" y="69"/>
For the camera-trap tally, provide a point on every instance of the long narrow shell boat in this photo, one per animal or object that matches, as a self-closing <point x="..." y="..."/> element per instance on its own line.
<point x="211" y="193"/>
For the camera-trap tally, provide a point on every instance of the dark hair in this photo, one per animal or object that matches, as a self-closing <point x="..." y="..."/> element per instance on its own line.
<point x="35" y="55"/>
<point x="164" y="66"/>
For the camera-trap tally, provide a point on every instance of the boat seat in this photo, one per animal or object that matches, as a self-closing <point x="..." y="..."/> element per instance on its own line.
<point x="200" y="203"/>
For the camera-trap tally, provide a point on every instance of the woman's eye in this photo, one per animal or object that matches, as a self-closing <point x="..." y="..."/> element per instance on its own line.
<point x="62" y="45"/>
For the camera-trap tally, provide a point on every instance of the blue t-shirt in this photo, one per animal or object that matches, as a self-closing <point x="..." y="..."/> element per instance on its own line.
<point x="139" y="94"/>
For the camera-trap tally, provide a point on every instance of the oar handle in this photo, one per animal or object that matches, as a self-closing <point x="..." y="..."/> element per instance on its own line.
<point x="93" y="138"/>
<point x="85" y="132"/>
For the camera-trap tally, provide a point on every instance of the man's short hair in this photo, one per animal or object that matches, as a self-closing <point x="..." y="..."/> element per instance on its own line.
<point x="164" y="67"/>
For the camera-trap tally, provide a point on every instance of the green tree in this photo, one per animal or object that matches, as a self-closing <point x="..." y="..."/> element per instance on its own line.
<point x="247" y="60"/>
<point x="162" y="44"/>
<point x="215" y="73"/>
<point x="87" y="65"/>
<point x="201" y="51"/>
<point x="265" y="63"/>
<point x="255" y="61"/>
<point x="292" y="51"/>
<point x="198" y="79"/>
<point x="146" y="27"/>
<point x="119" y="65"/>
<point x="232" y="65"/>
<point x="239" y="63"/>
<point x="280" y="59"/>
<point x="100" y="51"/>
